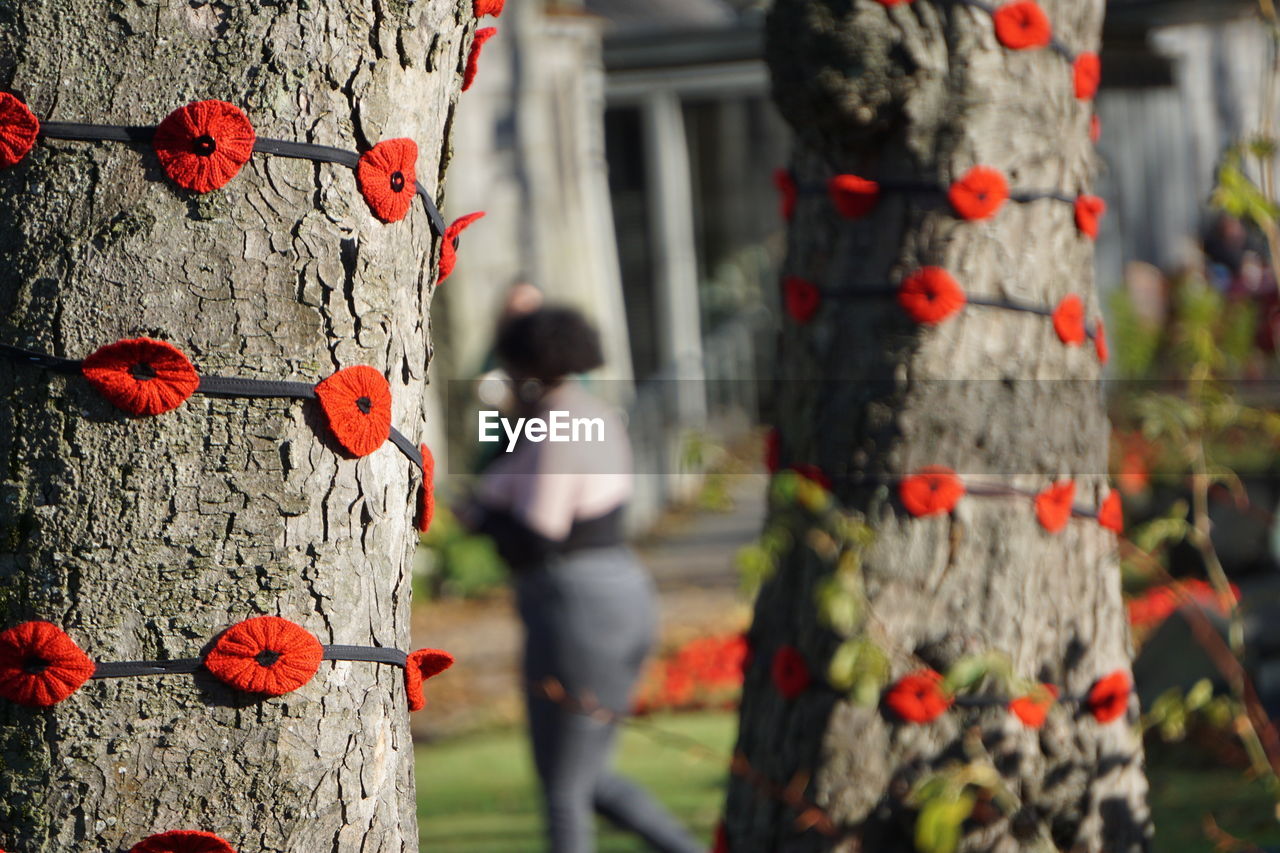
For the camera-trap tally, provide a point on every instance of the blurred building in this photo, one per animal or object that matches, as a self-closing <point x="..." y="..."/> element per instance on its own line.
<point x="622" y="151"/>
<point x="1182" y="82"/>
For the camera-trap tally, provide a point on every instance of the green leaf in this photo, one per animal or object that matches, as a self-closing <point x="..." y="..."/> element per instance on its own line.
<point x="840" y="603"/>
<point x="1171" y="529"/>
<point x="938" y="827"/>
<point x="859" y="665"/>
<point x="1199" y="694"/>
<point x="968" y="671"/>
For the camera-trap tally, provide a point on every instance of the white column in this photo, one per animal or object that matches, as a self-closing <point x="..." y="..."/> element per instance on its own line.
<point x="674" y="254"/>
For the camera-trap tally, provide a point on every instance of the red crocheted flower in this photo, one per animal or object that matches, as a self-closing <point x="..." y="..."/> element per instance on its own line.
<point x="265" y="654"/>
<point x="480" y="8"/>
<point x="1095" y="128"/>
<point x="1100" y="342"/>
<point x="203" y="145"/>
<point x="40" y="665"/>
<point x="852" y="196"/>
<point x="1109" y="698"/>
<point x="141" y="376"/>
<point x="357" y="403"/>
<point x="473" y="58"/>
<point x="387" y="176"/>
<point x="979" y="193"/>
<point x="786" y="193"/>
<point x="1053" y="505"/>
<point x="1068" y="320"/>
<point x="1086" y="74"/>
<point x="449" y="247"/>
<point x="930" y="295"/>
<point x="18" y="130"/>
<point x="802" y="298"/>
<point x="918" y="697"/>
<point x="1033" y="708"/>
<point x="423" y="664"/>
<point x="427" y="491"/>
<point x="182" y="841"/>
<point x="1022" y="24"/>
<point x="789" y="672"/>
<point x="931" y="491"/>
<point x="1111" y="512"/>
<point x="1089" y="209"/>
<point x="772" y="450"/>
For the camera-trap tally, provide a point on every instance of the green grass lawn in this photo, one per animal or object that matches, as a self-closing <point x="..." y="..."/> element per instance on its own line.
<point x="478" y="794"/>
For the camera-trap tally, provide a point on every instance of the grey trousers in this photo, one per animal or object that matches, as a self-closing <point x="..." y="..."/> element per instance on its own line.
<point x="589" y="622"/>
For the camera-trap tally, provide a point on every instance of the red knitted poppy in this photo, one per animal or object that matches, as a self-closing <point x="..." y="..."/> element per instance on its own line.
<point x="786" y="193"/>
<point x="772" y="450"/>
<point x="1111" y="512"/>
<point x="423" y="664"/>
<point x="182" y="841"/>
<point x="386" y="176"/>
<point x="852" y="196"/>
<point x="203" y="145"/>
<point x="40" y="665"/>
<point x="1100" y="342"/>
<point x="357" y="403"/>
<point x="789" y="672"/>
<point x="930" y="295"/>
<point x="979" y="193"/>
<point x="18" y="130"/>
<point x="1022" y="24"/>
<point x="1109" y="698"/>
<point x="1053" y="505"/>
<point x="1095" y="128"/>
<point x="1033" y="708"/>
<point x="1086" y="72"/>
<point x="918" y="697"/>
<point x="473" y="58"/>
<point x="480" y="8"/>
<point x="141" y="376"/>
<point x="265" y="654"/>
<point x="448" y="249"/>
<point x="802" y="298"/>
<point x="1068" y="320"/>
<point x="934" y="490"/>
<point x="1089" y="209"/>
<point x="427" y="491"/>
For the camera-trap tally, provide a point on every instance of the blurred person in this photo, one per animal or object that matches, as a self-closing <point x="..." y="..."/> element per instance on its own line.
<point x="555" y="512"/>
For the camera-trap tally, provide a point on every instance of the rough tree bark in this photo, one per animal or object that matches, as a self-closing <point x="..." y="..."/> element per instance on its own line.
<point x="144" y="538"/>
<point x="923" y="91"/>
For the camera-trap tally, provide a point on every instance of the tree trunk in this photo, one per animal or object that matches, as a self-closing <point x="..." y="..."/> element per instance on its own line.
<point x="143" y="538"/>
<point x="922" y="92"/>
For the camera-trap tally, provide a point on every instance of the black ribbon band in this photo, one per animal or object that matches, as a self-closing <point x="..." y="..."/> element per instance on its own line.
<point x="139" y="134"/>
<point x="983" y="301"/>
<point x="218" y="386"/>
<point x="131" y="668"/>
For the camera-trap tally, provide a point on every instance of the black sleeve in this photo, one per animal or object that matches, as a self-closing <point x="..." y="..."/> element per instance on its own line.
<point x="516" y="542"/>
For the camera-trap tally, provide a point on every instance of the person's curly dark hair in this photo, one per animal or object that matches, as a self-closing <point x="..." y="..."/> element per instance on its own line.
<point x="548" y="344"/>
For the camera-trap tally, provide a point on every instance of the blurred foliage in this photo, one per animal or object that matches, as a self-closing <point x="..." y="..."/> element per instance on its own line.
<point x="1204" y="328"/>
<point x="458" y="563"/>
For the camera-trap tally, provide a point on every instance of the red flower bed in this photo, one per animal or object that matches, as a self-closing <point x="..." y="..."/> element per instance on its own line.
<point x="703" y="673"/>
